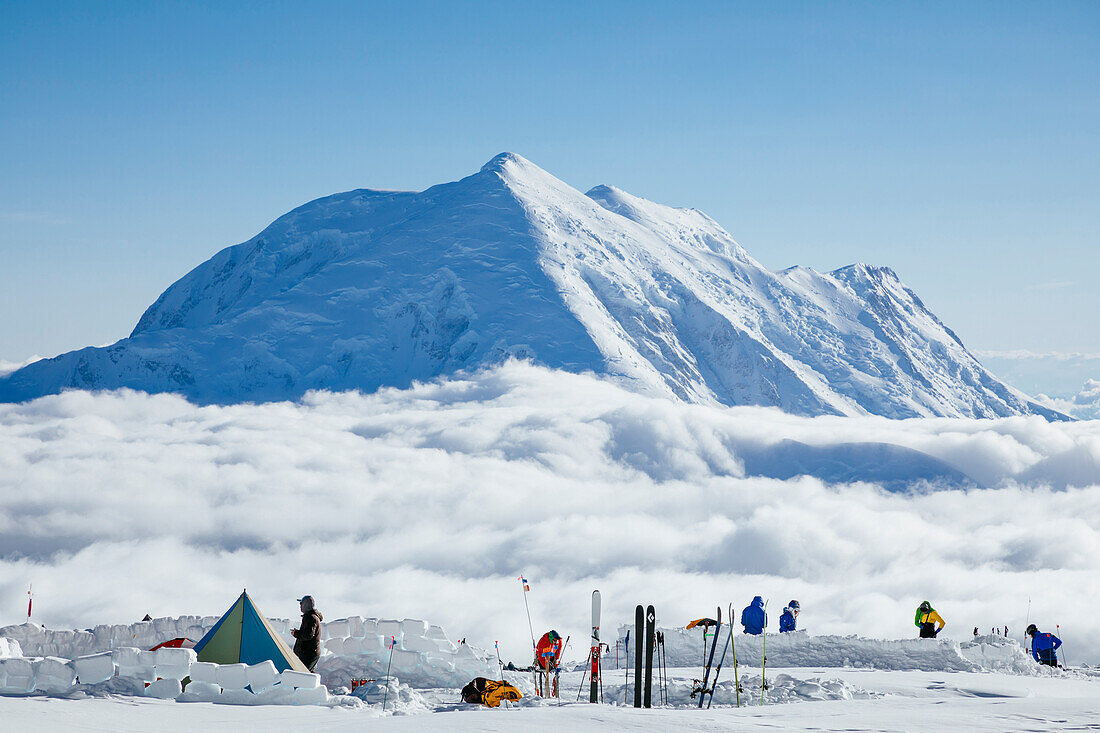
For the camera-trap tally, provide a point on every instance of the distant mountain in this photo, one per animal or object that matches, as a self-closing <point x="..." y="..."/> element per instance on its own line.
<point x="366" y="289"/>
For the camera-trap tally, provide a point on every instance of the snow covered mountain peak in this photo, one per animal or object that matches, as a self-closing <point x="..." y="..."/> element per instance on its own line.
<point x="370" y="288"/>
<point x="511" y="164"/>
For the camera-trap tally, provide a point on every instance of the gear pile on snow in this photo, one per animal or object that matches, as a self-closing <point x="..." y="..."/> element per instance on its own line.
<point x="484" y="691"/>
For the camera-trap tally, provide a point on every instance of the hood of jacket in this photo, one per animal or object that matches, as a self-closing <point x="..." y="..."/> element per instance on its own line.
<point x="758" y="602"/>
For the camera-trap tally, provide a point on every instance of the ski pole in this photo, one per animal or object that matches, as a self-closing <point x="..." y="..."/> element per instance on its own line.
<point x="500" y="664"/>
<point x="661" y="666"/>
<point x="626" y="669"/>
<point x="386" y="697"/>
<point x="557" y="671"/>
<point x="608" y="648"/>
<point x="1058" y="629"/>
<point x="764" y="655"/>
<point x="530" y="627"/>
<point x="583" y="676"/>
<point x="736" y="674"/>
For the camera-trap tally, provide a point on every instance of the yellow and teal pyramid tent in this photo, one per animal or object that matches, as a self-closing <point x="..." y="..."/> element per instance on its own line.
<point x="244" y="635"/>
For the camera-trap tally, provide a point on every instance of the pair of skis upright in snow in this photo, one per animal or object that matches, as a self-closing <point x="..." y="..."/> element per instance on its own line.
<point x="701" y="689"/>
<point x="706" y="692"/>
<point x="645" y="628"/>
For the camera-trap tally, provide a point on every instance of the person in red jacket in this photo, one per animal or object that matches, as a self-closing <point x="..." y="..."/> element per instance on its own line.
<point x="547" y="654"/>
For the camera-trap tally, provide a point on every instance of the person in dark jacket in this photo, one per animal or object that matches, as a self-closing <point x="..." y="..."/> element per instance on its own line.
<point x="307" y="637"/>
<point x="789" y="620"/>
<point x="753" y="617"/>
<point x="1043" y="646"/>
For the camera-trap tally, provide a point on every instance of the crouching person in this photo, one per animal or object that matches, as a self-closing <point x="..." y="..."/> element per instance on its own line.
<point x="1044" y="646"/>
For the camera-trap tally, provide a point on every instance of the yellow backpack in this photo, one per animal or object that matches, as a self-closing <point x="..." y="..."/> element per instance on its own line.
<point x="484" y="691"/>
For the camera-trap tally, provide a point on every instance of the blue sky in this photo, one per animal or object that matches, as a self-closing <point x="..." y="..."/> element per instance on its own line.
<point x="957" y="145"/>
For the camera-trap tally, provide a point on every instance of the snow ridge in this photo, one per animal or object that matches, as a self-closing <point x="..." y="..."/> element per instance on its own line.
<point x="371" y="288"/>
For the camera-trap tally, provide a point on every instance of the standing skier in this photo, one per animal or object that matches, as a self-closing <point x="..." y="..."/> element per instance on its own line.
<point x="1043" y="646"/>
<point x="789" y="619"/>
<point x="926" y="620"/>
<point x="307" y="637"/>
<point x="753" y="617"/>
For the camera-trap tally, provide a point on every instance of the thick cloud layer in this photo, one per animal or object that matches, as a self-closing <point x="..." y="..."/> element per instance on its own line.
<point x="429" y="502"/>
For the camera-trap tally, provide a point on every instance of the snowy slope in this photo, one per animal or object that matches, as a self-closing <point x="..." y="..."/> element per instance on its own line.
<point x="371" y="288"/>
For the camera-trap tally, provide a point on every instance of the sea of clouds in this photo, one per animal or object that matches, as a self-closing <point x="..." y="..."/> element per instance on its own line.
<point x="430" y="502"/>
<point x="1065" y="381"/>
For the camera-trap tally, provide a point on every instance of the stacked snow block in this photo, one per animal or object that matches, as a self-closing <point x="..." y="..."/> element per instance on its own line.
<point x="94" y="669"/>
<point x="354" y="647"/>
<point x="170" y="663"/>
<point x="16" y="676"/>
<point x="227" y="684"/>
<point x="422" y="656"/>
<point x="53" y="675"/>
<point x="257" y="684"/>
<point x="684" y="648"/>
<point x="38" y="641"/>
<point x="999" y="654"/>
<point x="135" y="664"/>
<point x="159" y="674"/>
<point x="9" y="648"/>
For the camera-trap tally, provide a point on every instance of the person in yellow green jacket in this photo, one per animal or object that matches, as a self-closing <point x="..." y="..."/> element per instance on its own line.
<point x="926" y="620"/>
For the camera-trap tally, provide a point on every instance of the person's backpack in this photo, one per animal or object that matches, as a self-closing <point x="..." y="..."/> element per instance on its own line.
<point x="483" y="691"/>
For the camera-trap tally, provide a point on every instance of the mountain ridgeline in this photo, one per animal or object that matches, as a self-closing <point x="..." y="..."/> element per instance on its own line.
<point x="367" y="289"/>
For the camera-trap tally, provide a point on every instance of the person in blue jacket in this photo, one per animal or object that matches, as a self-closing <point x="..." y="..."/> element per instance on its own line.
<point x="1043" y="646"/>
<point x="753" y="617"/>
<point x="789" y="618"/>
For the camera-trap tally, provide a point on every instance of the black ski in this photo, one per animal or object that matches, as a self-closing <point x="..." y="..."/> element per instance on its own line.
<point x="718" y="669"/>
<point x="702" y="690"/>
<point x="639" y="633"/>
<point x="650" y="629"/>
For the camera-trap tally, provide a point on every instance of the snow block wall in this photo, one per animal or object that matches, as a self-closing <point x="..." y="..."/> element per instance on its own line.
<point x="685" y="649"/>
<point x="39" y="641"/>
<point x="160" y="674"/>
<point x="999" y="654"/>
<point x="423" y="656"/>
<point x="352" y="648"/>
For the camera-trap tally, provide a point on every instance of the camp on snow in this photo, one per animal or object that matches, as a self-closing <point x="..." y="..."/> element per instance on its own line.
<point x="244" y="635"/>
